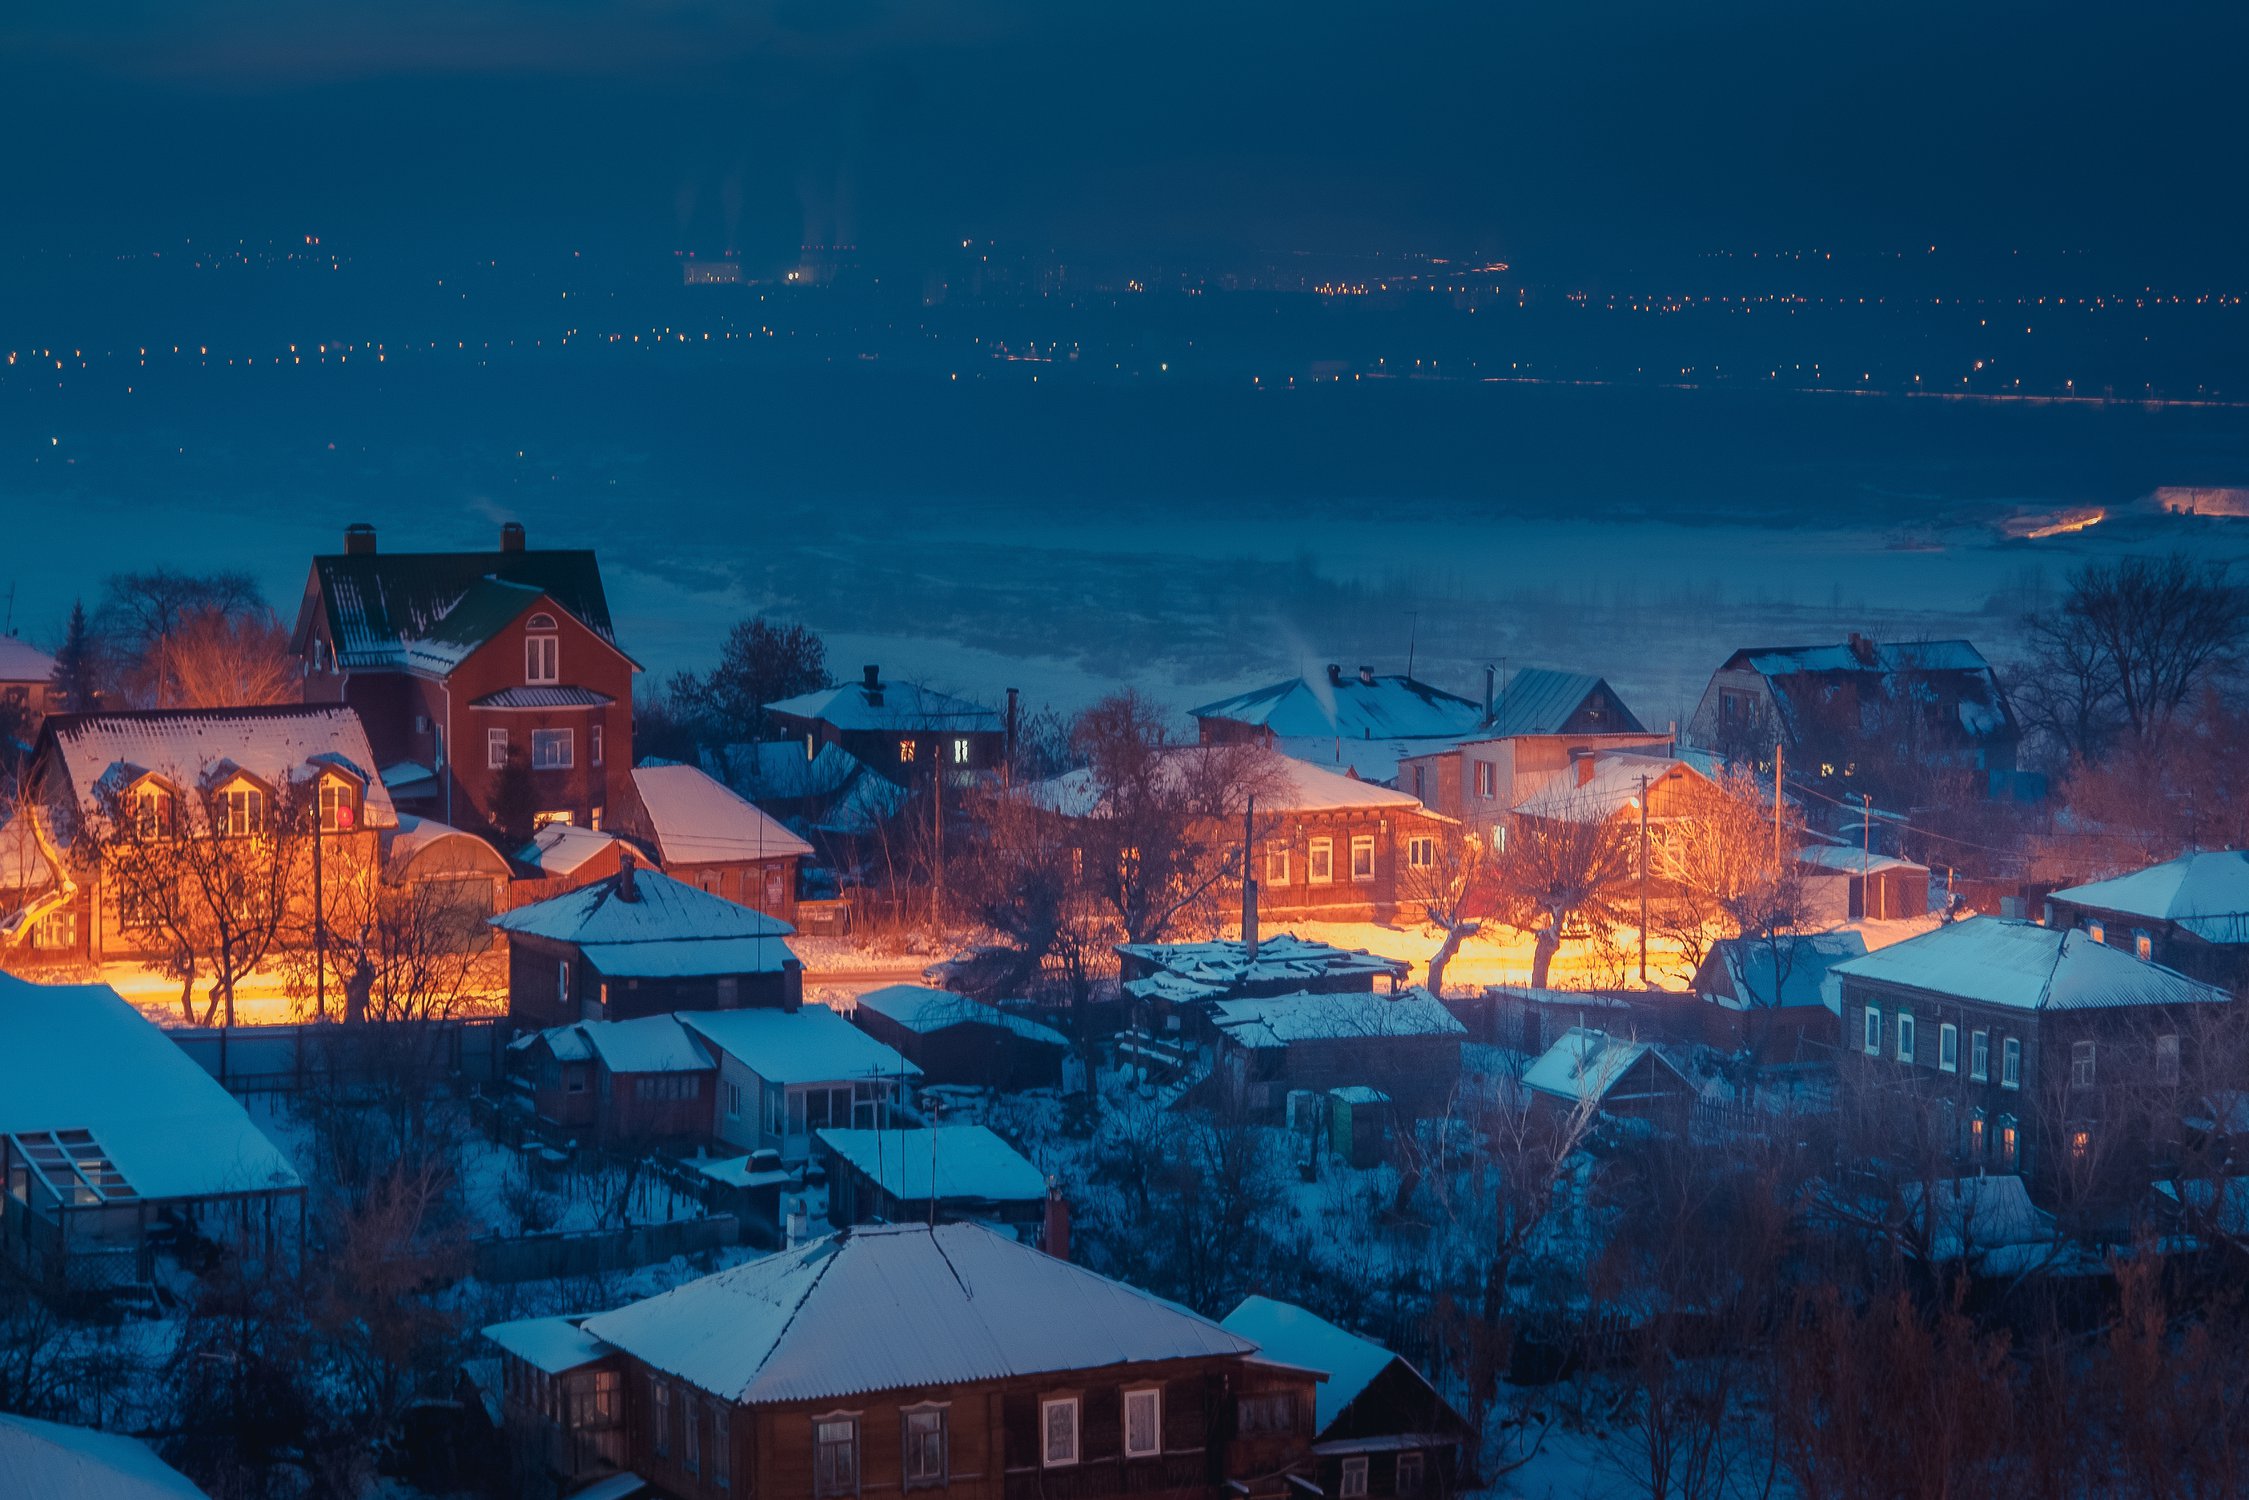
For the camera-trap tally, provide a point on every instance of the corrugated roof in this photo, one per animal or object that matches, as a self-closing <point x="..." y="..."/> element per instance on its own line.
<point x="49" y="1461"/>
<point x="564" y="848"/>
<point x="1614" y="785"/>
<point x="279" y="744"/>
<point x="1279" y="1020"/>
<point x="20" y="661"/>
<point x="1315" y="707"/>
<point x="2024" y="966"/>
<point x="664" y="911"/>
<point x="1539" y="700"/>
<point x="892" y="706"/>
<point x="809" y="1045"/>
<point x="1745" y="969"/>
<point x="1223" y="966"/>
<point x="645" y="1044"/>
<point x="385" y="608"/>
<point x="941" y="1162"/>
<point x="901" y="1307"/>
<point x="550" y="1344"/>
<point x="543" y="697"/>
<point x="1583" y="1065"/>
<point x="2207" y="893"/>
<point x="699" y="820"/>
<point x="922" y="1010"/>
<point x="1286" y="1332"/>
<point x="1286" y="786"/>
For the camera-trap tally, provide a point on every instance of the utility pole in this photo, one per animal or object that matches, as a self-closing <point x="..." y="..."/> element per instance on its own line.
<point x="1643" y="880"/>
<point x="1778" y="754"/>
<point x="1866" y="851"/>
<point x="319" y="920"/>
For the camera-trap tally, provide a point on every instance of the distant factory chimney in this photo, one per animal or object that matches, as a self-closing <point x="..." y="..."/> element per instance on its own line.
<point x="359" y="539"/>
<point x="511" y="536"/>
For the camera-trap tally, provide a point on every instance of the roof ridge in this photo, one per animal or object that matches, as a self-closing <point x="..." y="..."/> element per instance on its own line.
<point x="836" y="1242"/>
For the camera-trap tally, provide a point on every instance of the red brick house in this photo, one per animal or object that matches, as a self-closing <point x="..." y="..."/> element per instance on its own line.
<point x="705" y="834"/>
<point x="461" y="662"/>
<point x="889" y="1358"/>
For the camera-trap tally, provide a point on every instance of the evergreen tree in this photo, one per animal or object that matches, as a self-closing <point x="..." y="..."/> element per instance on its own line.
<point x="515" y="802"/>
<point x="77" y="678"/>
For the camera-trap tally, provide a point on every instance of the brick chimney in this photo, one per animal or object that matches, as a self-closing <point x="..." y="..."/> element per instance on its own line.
<point x="1054" y="1234"/>
<point x="628" y="883"/>
<point x="511" y="536"/>
<point x="871" y="683"/>
<point x="359" y="539"/>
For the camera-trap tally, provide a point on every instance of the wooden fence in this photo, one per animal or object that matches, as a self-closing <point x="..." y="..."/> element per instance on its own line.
<point x="290" y="1059"/>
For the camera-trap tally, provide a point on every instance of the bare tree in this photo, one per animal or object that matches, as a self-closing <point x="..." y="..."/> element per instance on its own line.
<point x="223" y="659"/>
<point x="2140" y="635"/>
<point x="1021" y="873"/>
<point x="142" y="614"/>
<point x="1574" y="867"/>
<point x="1453" y="892"/>
<point x="1728" y="871"/>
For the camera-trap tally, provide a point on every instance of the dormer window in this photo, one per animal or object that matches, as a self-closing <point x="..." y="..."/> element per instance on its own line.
<point x="338" y="810"/>
<point x="542" y="653"/>
<point x="241" y="809"/>
<point x="152" y="813"/>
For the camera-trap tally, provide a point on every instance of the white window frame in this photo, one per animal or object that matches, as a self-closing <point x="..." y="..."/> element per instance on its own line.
<point x="1048" y="1458"/>
<point x="1420" y="1481"/>
<point x="542" y="659"/>
<point x="660" y="1415"/>
<point x="1487" y="779"/>
<point x="1871" y="1031"/>
<point x="567" y="739"/>
<point x="2010" y="1062"/>
<point x="495" y="749"/>
<point x="691" y="1436"/>
<point x="1362" y="843"/>
<point x="1979" y="1056"/>
<point x="1352" y="1485"/>
<point x="1906" y="1036"/>
<point x="1948" y="1047"/>
<point x="961" y="751"/>
<point x="1319" y="862"/>
<point x="241" y="809"/>
<point x="1152" y="1398"/>
<point x="722" y="1447"/>
<point x="596" y="746"/>
<point x="1421" y="852"/>
<point x="1277" y="858"/>
<point x="336" y="811"/>
<point x="562" y="980"/>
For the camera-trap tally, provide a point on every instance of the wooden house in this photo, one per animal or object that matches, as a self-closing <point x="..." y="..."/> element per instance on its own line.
<point x="886" y="1359"/>
<point x="622" y="1082"/>
<point x="954" y="1039"/>
<point x="640" y="944"/>
<point x="905" y="731"/>
<point x="1356" y="725"/>
<point x="1542" y="723"/>
<point x="1379" y="1427"/>
<point x="2189" y="913"/>
<point x="941" y="1172"/>
<point x="706" y="835"/>
<point x="1405" y="1044"/>
<point x="471" y="666"/>
<point x="1771" y="998"/>
<point x="27" y="688"/>
<point x="1590" y="1071"/>
<point x="1842" y="884"/>
<point x="785" y="1076"/>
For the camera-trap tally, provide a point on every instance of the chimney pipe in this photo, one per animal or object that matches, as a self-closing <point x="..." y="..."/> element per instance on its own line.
<point x="359" y="539"/>
<point x="1366" y="676"/>
<point x="871" y="674"/>
<point x="1335" y="675"/>
<point x="628" y="886"/>
<point x="1054" y="1235"/>
<point x="1249" y="879"/>
<point x="511" y="536"/>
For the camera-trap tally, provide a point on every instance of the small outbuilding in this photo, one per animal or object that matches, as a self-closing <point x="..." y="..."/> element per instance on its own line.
<point x="944" y="1172"/>
<point x="1614" y="1076"/>
<point x="957" y="1040"/>
<point x="1406" y="1044"/>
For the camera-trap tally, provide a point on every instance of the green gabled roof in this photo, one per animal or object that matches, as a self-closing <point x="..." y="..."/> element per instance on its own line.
<point x="385" y="608"/>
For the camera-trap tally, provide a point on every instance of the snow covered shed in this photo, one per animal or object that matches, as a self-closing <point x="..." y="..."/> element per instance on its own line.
<point x="784" y="1076"/>
<point x="112" y="1139"/>
<point x="891" y="1357"/>
<point x="1173" y="985"/>
<point x="1774" y="998"/>
<point x="1842" y="884"/>
<point x="1611" y="1075"/>
<point x="944" y="1172"/>
<point x="955" y="1039"/>
<point x="1379" y="1426"/>
<point x="1406" y="1044"/>
<point x="641" y="943"/>
<point x="562" y="1410"/>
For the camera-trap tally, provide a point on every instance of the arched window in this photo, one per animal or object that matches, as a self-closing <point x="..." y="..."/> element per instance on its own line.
<point x="542" y="654"/>
<point x="540" y="621"/>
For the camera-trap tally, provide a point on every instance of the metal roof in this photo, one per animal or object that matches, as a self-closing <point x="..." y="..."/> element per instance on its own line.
<point x="1388" y="708"/>
<point x="1539" y="700"/>
<point x="385" y="607"/>
<point x="2024" y="966"/>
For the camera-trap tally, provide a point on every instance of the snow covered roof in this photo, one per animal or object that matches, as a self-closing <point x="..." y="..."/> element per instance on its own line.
<point x="1279" y="1020"/>
<point x="696" y="819"/>
<point x="527" y="695"/>
<point x="2024" y="966"/>
<point x="779" y="770"/>
<point x="49" y="1461"/>
<point x="1584" y="1066"/>
<point x="1976" y="1216"/>
<point x="646" y="1044"/>
<point x="429" y="610"/>
<point x="1539" y="700"/>
<point x="669" y="930"/>
<point x="1351" y="707"/>
<point x="1740" y="972"/>
<point x="278" y="744"/>
<point x="1850" y="861"/>
<point x="20" y="661"/>
<point x="415" y="835"/>
<point x="889" y="706"/>
<point x="77" y="1058"/>
<point x="2206" y="893"/>
<point x="1950" y="675"/>
<point x="922" y="1010"/>
<point x="563" y="849"/>
<point x="1880" y="656"/>
<point x="809" y="1045"/>
<point x="1187" y="972"/>
<point x="1369" y="760"/>
<point x="1613" y="786"/>
<point x="1286" y="1332"/>
<point x="869" y="800"/>
<point x="1285" y="785"/>
<point x="941" y="1162"/>
<point x="550" y="1344"/>
<point x="898" y="1307"/>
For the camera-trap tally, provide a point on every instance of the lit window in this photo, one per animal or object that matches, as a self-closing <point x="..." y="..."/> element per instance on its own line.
<point x="1905" y="1036"/>
<point x="835" y="1455"/>
<point x="241" y="810"/>
<point x="495" y="748"/>
<point x="58" y="930"/>
<point x="2009" y="1143"/>
<point x="1354" y="1478"/>
<point x="1143" y="1423"/>
<point x="1276" y="864"/>
<point x="2081" y="1065"/>
<point x="1362" y="856"/>
<point x="960" y="752"/>
<point x="2167" y="1059"/>
<point x="2080" y="1143"/>
<point x="550" y="749"/>
<point x="1058" y="1422"/>
<point x="1322" y="861"/>
<point x="1975" y="1136"/>
<point x="542" y="658"/>
<point x="2097" y="931"/>
<point x="1873" y="1032"/>
<point x="1421" y="853"/>
<point x="1948" y="1047"/>
<point x="335" y="805"/>
<point x="905" y="752"/>
<point x="152" y="813"/>
<point x="1979" y="1056"/>
<point x="2011" y="1063"/>
<point x="2143" y="946"/>
<point x="925" y="1445"/>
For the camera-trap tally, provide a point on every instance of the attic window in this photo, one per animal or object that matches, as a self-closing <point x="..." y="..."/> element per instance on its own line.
<point x="240" y="809"/>
<point x="540" y="621"/>
<point x="337" y="812"/>
<point x="542" y="654"/>
<point x="152" y="813"/>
